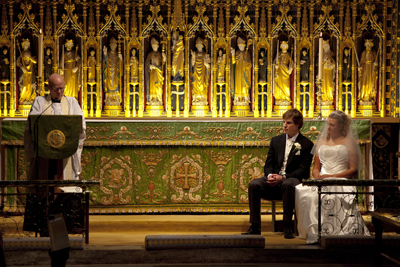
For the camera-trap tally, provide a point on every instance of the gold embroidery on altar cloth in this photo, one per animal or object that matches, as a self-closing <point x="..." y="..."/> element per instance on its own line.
<point x="151" y="160"/>
<point x="92" y="133"/>
<point x="221" y="159"/>
<point x="186" y="178"/>
<point x="252" y="168"/>
<point x="154" y="132"/>
<point x="116" y="179"/>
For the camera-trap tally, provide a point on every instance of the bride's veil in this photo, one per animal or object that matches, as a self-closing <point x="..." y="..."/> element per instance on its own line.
<point x="349" y="131"/>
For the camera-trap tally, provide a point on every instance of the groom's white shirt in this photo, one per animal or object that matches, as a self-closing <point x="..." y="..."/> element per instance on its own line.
<point x="289" y="145"/>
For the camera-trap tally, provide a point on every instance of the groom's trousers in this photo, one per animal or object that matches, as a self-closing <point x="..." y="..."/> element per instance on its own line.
<point x="259" y="189"/>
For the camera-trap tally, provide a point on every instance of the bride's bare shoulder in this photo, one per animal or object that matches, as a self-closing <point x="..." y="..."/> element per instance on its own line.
<point x="349" y="141"/>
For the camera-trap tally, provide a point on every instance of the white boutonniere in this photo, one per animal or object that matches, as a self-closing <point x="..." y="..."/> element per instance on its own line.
<point x="297" y="148"/>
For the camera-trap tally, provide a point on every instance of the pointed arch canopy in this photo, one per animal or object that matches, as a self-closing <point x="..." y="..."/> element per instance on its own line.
<point x="27" y="21"/>
<point x="70" y="21"/>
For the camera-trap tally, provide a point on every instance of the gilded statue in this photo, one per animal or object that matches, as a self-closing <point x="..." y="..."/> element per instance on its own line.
<point x="134" y="67"/>
<point x="304" y="65"/>
<point x="368" y="75"/>
<point x="92" y="67"/>
<point x="200" y="64"/>
<point x="5" y="65"/>
<point x="48" y="63"/>
<point x="346" y="69"/>
<point x="328" y="74"/>
<point x="283" y="69"/>
<point x="154" y="74"/>
<point x="177" y="57"/>
<point x="221" y="63"/>
<point x="27" y="74"/>
<point x="242" y="67"/>
<point x="70" y="68"/>
<point x="112" y="74"/>
<point x="262" y="67"/>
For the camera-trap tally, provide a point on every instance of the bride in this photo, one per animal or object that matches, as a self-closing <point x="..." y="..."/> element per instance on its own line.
<point x="337" y="156"/>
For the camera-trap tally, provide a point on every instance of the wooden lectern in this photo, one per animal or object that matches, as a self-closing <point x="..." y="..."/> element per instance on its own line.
<point x="55" y="138"/>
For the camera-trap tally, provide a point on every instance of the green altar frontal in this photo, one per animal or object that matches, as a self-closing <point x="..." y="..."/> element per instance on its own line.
<point x="168" y="166"/>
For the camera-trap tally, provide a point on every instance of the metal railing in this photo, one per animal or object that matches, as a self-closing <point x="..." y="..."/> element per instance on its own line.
<point x="384" y="201"/>
<point x="19" y="207"/>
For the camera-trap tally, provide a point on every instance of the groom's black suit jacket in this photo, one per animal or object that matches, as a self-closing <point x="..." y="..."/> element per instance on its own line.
<point x="297" y="166"/>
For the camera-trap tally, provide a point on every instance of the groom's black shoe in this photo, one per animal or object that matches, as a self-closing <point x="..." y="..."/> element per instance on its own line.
<point x="253" y="230"/>
<point x="288" y="233"/>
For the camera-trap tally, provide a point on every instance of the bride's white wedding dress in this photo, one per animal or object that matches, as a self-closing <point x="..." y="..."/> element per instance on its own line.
<point x="339" y="212"/>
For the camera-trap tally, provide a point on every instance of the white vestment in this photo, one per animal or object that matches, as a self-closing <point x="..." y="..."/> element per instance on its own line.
<point x="68" y="106"/>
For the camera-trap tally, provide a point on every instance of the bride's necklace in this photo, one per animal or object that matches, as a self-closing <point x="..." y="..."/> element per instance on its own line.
<point x="336" y="139"/>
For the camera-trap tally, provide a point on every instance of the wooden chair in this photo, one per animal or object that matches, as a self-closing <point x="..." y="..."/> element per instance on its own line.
<point x="274" y="221"/>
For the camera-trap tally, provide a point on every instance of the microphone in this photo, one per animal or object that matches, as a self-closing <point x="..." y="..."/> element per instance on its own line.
<point x="36" y="123"/>
<point x="36" y="143"/>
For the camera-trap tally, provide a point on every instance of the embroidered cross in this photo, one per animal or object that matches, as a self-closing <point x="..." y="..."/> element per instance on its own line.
<point x="186" y="175"/>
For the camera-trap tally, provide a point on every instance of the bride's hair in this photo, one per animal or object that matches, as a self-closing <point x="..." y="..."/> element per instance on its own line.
<point x="342" y="119"/>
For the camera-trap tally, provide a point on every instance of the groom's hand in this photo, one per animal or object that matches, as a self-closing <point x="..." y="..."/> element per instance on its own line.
<point x="274" y="179"/>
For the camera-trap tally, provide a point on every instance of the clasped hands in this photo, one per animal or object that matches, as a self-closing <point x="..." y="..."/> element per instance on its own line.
<point x="274" y="179"/>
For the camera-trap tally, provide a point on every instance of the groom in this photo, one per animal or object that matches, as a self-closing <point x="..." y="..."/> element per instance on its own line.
<point x="288" y="162"/>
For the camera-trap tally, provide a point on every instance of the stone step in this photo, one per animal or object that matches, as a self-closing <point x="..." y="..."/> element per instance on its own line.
<point x="37" y="243"/>
<point x="203" y="241"/>
<point x="175" y="223"/>
<point x="273" y="255"/>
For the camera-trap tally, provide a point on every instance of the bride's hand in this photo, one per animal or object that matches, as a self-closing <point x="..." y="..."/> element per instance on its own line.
<point x="326" y="176"/>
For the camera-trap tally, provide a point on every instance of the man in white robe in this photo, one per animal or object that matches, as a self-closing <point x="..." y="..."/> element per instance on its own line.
<point x="55" y="104"/>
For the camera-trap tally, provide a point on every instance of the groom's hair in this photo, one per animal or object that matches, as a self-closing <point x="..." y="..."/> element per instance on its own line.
<point x="295" y="115"/>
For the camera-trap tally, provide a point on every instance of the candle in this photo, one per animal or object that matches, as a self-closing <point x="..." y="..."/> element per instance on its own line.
<point x="40" y="59"/>
<point x="320" y="57"/>
<point x="62" y="60"/>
